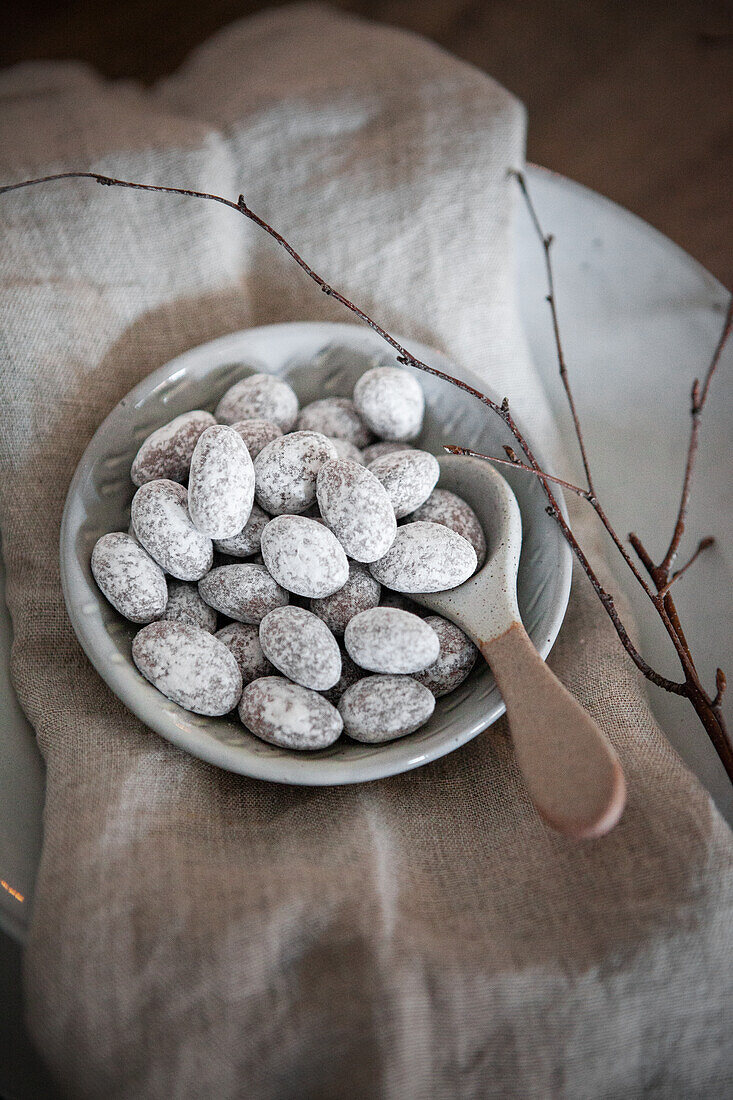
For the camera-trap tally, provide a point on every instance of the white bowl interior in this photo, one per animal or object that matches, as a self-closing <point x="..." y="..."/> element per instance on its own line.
<point x="318" y="360"/>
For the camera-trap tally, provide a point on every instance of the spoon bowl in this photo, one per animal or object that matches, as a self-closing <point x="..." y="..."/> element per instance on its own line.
<point x="486" y="604"/>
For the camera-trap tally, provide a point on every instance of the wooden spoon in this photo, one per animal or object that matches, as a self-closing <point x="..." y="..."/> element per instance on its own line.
<point x="571" y="770"/>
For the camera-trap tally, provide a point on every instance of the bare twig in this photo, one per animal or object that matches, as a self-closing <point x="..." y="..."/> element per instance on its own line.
<point x="708" y="709"/>
<point x="547" y="240"/>
<point x="454" y="449"/>
<point x="703" y="544"/>
<point x="406" y="357"/>
<point x="697" y="404"/>
<point x="644" y="555"/>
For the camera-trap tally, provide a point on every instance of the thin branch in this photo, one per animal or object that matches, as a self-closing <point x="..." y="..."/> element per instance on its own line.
<point x="404" y="356"/>
<point x="610" y="606"/>
<point x="547" y="242"/>
<point x="585" y="494"/>
<point x="454" y="449"/>
<point x="109" y="181"/>
<point x="667" y="605"/>
<point x="660" y="573"/>
<point x="241" y="207"/>
<point x="516" y="464"/>
<point x="644" y="555"/>
<point x="604" y="596"/>
<point x="407" y="358"/>
<point x="697" y="404"/>
<point x="702" y="545"/>
<point x="661" y="598"/>
<point x="707" y="709"/>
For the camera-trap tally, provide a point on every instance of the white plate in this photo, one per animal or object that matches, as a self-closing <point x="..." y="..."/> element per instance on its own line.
<point x="318" y="360"/>
<point x="639" y="318"/>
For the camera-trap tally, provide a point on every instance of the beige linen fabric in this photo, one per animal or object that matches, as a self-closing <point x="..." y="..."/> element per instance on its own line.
<point x="198" y="934"/>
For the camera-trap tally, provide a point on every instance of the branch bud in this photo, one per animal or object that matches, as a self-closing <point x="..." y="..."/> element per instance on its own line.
<point x="721" y="684"/>
<point x="695" y="397"/>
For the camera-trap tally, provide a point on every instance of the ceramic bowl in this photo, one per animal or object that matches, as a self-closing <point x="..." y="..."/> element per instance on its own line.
<point x="318" y="360"/>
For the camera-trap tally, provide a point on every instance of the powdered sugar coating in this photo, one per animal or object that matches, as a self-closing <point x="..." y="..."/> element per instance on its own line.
<point x="302" y="647"/>
<point x="243" y="641"/>
<point x="448" y="508"/>
<point x="256" y="433"/>
<point x="357" y="508"/>
<point x="163" y="526"/>
<point x="408" y="476"/>
<point x="347" y="450"/>
<point x="186" y="606"/>
<point x="286" y="471"/>
<point x="384" y="639"/>
<point x="166" y="453"/>
<point x="129" y="578"/>
<point x="360" y="592"/>
<point x="221" y="484"/>
<point x="189" y="666"/>
<point x="391" y="402"/>
<point x="337" y="418"/>
<point x="383" y="447"/>
<point x="244" y="592"/>
<point x="304" y="556"/>
<point x="246" y="541"/>
<point x="288" y="715"/>
<point x="382" y="708"/>
<point x="457" y="657"/>
<point x="259" y="397"/>
<point x="425" y="557"/>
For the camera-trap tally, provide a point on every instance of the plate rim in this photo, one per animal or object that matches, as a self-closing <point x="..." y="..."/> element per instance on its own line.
<point x="569" y="184"/>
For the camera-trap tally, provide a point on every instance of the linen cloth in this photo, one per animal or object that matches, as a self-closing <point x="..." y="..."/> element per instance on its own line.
<point x="200" y="934"/>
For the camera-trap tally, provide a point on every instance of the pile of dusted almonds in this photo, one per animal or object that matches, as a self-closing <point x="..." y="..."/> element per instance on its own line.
<point x="306" y="530"/>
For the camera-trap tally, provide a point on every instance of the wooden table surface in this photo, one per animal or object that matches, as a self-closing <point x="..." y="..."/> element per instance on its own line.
<point x="633" y="98"/>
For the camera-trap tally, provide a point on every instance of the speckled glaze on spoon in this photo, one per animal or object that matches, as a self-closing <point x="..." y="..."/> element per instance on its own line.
<point x="572" y="772"/>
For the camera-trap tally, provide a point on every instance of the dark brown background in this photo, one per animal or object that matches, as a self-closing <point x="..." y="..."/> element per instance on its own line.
<point x="632" y="97"/>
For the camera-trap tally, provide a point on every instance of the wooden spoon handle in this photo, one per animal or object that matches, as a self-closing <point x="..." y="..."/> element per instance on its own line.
<point x="572" y="772"/>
